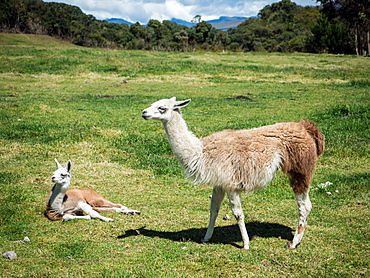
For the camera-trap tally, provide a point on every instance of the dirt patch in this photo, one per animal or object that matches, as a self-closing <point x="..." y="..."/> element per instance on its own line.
<point x="241" y="97"/>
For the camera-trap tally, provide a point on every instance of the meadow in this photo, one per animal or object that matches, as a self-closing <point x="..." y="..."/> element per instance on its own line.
<point x="62" y="101"/>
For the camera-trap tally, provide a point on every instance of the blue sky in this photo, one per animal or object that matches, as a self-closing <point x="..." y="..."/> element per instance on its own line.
<point x="144" y="10"/>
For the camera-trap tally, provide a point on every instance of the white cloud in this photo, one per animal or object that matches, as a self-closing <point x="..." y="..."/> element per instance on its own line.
<point x="144" y="10"/>
<point x="168" y="9"/>
<point x="235" y="8"/>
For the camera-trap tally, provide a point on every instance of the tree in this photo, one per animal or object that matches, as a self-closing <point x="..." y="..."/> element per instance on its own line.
<point x="331" y="36"/>
<point x="357" y="14"/>
<point x="117" y="35"/>
<point x="340" y="26"/>
<point x="202" y="31"/>
<point x="158" y="36"/>
<point x="282" y="26"/>
<point x="197" y="19"/>
<point x="182" y="37"/>
<point x="282" y="12"/>
<point x="137" y="30"/>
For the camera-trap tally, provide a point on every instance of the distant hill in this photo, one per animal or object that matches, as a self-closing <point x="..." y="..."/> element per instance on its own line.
<point x="182" y="22"/>
<point x="222" y="23"/>
<point x="227" y="22"/>
<point x="227" y="18"/>
<point x="119" y="21"/>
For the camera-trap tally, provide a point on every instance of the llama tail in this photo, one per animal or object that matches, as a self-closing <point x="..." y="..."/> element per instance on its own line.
<point x="316" y="134"/>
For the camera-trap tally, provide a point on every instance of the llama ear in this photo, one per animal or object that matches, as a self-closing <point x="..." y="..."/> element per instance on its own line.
<point x="181" y="104"/>
<point x="69" y="166"/>
<point x="57" y="163"/>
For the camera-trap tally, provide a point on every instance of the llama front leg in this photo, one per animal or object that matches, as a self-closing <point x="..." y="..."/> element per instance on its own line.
<point x="304" y="207"/>
<point x="86" y="208"/>
<point x="217" y="196"/>
<point x="236" y="206"/>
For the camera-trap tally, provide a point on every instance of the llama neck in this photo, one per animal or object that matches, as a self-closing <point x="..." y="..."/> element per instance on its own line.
<point x="56" y="197"/>
<point x="184" y="144"/>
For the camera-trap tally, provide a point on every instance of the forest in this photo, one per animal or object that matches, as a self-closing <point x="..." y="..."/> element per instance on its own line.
<point x="336" y="26"/>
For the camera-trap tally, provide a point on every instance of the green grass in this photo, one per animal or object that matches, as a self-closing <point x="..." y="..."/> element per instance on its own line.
<point x="66" y="102"/>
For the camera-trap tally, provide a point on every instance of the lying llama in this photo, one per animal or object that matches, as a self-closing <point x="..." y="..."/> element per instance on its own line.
<point x="71" y="204"/>
<point x="243" y="160"/>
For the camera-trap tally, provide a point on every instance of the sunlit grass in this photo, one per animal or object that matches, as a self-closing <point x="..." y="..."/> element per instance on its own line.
<point x="67" y="102"/>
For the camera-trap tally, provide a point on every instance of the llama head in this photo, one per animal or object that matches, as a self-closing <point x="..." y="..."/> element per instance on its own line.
<point x="62" y="175"/>
<point x="162" y="110"/>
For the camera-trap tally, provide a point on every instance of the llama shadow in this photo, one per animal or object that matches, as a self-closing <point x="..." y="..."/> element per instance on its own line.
<point x="222" y="235"/>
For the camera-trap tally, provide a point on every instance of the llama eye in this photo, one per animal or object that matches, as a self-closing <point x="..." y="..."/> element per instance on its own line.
<point x="63" y="175"/>
<point x="162" y="109"/>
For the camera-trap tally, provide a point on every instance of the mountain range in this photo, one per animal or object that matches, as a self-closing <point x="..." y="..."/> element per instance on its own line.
<point x="222" y="23"/>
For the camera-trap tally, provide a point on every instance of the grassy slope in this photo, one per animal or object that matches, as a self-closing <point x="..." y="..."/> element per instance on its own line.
<point x="63" y="101"/>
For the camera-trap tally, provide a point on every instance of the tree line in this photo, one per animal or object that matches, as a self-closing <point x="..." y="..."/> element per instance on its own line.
<point x="337" y="26"/>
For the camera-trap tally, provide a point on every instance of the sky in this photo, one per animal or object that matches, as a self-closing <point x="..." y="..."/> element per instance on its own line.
<point x="144" y="10"/>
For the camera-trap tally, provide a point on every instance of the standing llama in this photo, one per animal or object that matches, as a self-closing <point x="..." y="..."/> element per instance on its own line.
<point x="243" y="160"/>
<point x="73" y="204"/>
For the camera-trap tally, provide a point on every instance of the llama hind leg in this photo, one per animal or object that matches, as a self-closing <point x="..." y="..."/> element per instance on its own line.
<point x="67" y="217"/>
<point x="236" y="206"/>
<point x="119" y="208"/>
<point x="304" y="207"/>
<point x="86" y="208"/>
<point x="101" y="204"/>
<point x="217" y="197"/>
<point x="126" y="210"/>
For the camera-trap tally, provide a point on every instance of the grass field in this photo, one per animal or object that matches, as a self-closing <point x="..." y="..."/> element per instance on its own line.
<point x="67" y="102"/>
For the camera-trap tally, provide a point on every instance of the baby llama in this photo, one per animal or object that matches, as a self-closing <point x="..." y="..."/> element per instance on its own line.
<point x="77" y="203"/>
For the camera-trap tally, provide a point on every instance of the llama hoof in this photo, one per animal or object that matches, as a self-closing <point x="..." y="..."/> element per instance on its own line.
<point x="290" y="245"/>
<point x="131" y="212"/>
<point x="203" y="240"/>
<point x="68" y="217"/>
